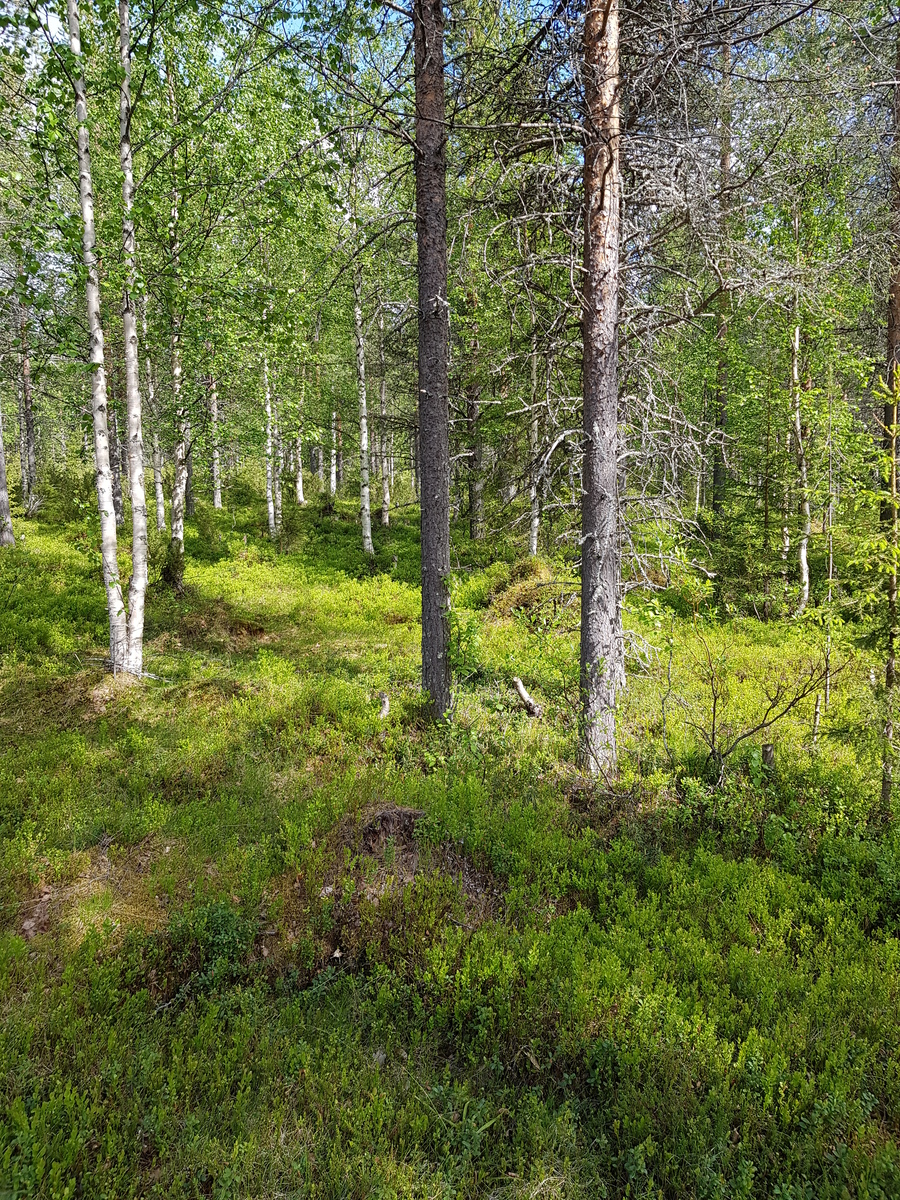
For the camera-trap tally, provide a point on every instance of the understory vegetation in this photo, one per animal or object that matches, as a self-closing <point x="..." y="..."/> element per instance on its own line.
<point x="260" y="940"/>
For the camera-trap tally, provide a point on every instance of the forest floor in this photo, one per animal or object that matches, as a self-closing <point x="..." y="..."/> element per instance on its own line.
<point x="257" y="941"/>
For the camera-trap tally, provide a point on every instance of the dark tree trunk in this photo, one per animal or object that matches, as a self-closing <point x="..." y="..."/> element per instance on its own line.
<point x="889" y="508"/>
<point x="434" y="341"/>
<point x="476" y="445"/>
<point x="7" y="538"/>
<point x="602" y="657"/>
<point x="719" y="464"/>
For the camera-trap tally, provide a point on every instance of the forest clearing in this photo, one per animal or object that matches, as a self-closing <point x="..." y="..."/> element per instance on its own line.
<point x="449" y="556"/>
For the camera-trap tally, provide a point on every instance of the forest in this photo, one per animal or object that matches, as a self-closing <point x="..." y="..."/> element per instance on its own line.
<point x="449" y="553"/>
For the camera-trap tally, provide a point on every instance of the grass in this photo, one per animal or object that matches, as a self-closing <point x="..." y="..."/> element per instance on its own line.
<point x="257" y="942"/>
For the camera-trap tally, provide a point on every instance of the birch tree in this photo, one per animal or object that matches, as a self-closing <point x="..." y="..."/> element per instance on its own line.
<point x="118" y="633"/>
<point x="138" y="586"/>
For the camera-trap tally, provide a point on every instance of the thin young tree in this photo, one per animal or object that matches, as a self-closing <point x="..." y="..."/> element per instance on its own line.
<point x="365" y="502"/>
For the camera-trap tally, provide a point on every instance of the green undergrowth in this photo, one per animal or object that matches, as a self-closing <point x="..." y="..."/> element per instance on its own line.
<point x="257" y="940"/>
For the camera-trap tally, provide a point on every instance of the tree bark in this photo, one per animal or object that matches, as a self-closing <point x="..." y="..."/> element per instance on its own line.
<point x="721" y="410"/>
<point x="534" y="442"/>
<point x="175" y="569"/>
<point x="476" y="446"/>
<point x="365" y="502"/>
<point x="7" y="537"/>
<point x="383" y="441"/>
<point x="189" y="498"/>
<point x="298" y="480"/>
<point x="216" y="456"/>
<point x="433" y="349"/>
<point x="802" y="473"/>
<point x="158" y="482"/>
<point x="30" y="456"/>
<point x="889" y="509"/>
<point x="118" y="635"/>
<point x="23" y="452"/>
<point x="270" y="453"/>
<point x="278" y="462"/>
<point x="332" y="478"/>
<point x="137" y="589"/>
<point x="602" y="650"/>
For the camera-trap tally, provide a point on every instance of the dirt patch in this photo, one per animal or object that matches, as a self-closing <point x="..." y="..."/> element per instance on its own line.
<point x="216" y="626"/>
<point x="393" y="618"/>
<point x="63" y="702"/>
<point x="374" y="863"/>
<point x="116" y="888"/>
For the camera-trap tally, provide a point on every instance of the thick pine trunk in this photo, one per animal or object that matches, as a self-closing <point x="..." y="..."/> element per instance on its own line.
<point x="137" y="589"/>
<point x="433" y="349"/>
<point x="118" y="635"/>
<point x="7" y="537"/>
<point x="365" y="503"/>
<point x="602" y="652"/>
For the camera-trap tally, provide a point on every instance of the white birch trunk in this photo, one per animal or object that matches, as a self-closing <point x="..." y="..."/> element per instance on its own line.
<point x="180" y="482"/>
<point x="332" y="479"/>
<point x="214" y="422"/>
<point x="179" y="487"/>
<point x="158" y="482"/>
<point x="278" y="464"/>
<point x="364" y="498"/>
<point x="270" y="493"/>
<point x="139" y="551"/>
<point x="298" y="448"/>
<point x="802" y="473"/>
<point x="109" y="551"/>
